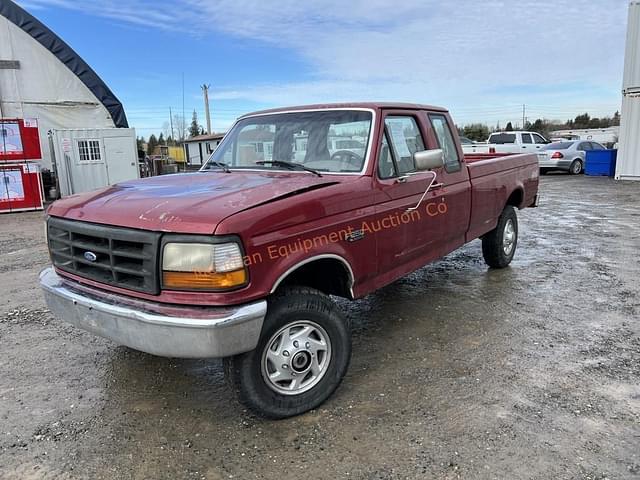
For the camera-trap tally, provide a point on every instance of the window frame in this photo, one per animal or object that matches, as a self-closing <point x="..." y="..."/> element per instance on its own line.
<point x="385" y="136"/>
<point x="89" y="151"/>
<point x="458" y="167"/>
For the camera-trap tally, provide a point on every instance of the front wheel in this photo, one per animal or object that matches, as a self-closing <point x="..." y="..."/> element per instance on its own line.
<point x="302" y="355"/>
<point x="499" y="245"/>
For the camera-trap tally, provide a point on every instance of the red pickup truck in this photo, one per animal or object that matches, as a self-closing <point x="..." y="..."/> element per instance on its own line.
<point x="239" y="260"/>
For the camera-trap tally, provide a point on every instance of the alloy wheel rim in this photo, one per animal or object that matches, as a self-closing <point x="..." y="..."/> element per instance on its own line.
<point x="508" y="237"/>
<point x="296" y="358"/>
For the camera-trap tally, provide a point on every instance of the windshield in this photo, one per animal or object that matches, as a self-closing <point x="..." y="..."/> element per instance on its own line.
<point x="558" y="146"/>
<point x="326" y="141"/>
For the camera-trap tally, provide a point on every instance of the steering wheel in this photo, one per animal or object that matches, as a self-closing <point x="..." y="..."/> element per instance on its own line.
<point x="351" y="157"/>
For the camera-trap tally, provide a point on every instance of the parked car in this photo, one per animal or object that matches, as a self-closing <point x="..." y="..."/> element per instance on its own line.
<point x="465" y="140"/>
<point x="568" y="156"/>
<point x="509" y="142"/>
<point x="239" y="260"/>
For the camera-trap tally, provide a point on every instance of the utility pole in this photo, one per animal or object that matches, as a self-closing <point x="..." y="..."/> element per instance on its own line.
<point x="171" y="121"/>
<point x="184" y="120"/>
<point x="205" y="90"/>
<point x="524" y="116"/>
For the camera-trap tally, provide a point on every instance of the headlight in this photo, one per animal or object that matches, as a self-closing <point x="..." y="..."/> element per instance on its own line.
<point x="203" y="266"/>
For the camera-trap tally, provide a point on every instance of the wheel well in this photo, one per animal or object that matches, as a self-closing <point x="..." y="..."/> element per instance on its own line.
<point x="516" y="198"/>
<point x="329" y="275"/>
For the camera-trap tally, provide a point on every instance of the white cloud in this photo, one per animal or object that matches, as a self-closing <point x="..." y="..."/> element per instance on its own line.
<point x="462" y="53"/>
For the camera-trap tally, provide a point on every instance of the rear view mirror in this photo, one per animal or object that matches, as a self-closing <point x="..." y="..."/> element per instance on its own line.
<point x="428" y="159"/>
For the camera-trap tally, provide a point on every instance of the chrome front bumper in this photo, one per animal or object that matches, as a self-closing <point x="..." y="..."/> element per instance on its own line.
<point x="160" y="329"/>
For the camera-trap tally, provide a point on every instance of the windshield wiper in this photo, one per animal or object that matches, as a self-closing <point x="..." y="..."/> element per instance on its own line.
<point x="290" y="166"/>
<point x="225" y="168"/>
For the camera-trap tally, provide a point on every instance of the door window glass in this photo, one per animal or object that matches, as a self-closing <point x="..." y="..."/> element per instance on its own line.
<point x="526" y="138"/>
<point x="538" y="139"/>
<point x="584" y="146"/>
<point x="446" y="142"/>
<point x="405" y="139"/>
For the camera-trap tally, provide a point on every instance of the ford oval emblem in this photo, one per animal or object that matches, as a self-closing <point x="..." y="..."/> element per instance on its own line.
<point x="92" y="257"/>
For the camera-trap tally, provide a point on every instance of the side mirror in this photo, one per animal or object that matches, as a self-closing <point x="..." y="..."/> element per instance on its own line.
<point x="428" y="159"/>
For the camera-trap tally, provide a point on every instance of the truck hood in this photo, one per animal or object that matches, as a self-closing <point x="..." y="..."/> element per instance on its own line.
<point x="184" y="203"/>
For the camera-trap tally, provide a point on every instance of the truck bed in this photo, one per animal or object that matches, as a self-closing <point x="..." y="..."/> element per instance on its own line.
<point x="498" y="179"/>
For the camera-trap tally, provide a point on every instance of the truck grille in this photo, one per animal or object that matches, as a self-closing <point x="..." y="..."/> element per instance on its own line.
<point x="121" y="257"/>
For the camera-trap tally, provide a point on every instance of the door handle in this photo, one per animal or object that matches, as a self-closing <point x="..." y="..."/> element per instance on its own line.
<point x="402" y="179"/>
<point x="435" y="186"/>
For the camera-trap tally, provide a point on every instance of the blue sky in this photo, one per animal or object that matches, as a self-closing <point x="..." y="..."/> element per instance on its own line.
<point x="481" y="59"/>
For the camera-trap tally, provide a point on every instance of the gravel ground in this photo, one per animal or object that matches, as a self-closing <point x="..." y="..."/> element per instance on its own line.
<point x="457" y="371"/>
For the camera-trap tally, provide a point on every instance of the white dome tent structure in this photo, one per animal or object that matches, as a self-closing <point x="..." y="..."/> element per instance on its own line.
<point x="46" y="85"/>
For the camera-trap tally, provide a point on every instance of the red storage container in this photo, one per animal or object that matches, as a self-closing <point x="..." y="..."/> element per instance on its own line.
<point x="20" y="187"/>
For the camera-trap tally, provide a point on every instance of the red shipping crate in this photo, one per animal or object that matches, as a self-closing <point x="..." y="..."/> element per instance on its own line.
<point x="20" y="187"/>
<point x="19" y="140"/>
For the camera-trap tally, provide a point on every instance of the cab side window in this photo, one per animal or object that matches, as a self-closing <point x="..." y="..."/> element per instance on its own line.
<point x="446" y="142"/>
<point x="402" y="138"/>
<point x="538" y="139"/>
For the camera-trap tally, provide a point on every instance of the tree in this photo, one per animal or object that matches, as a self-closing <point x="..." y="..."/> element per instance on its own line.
<point x="476" y="131"/>
<point x="180" y="127"/>
<point x="194" y="129"/>
<point x="140" y="143"/>
<point x="161" y="140"/>
<point x="509" y="127"/>
<point x="152" y="144"/>
<point x="616" y="119"/>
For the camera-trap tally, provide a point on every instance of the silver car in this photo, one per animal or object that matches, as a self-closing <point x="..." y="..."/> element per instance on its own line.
<point x="567" y="155"/>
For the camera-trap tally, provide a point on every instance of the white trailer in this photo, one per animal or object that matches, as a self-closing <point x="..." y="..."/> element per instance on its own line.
<point x="87" y="159"/>
<point x="606" y="136"/>
<point x="628" y="163"/>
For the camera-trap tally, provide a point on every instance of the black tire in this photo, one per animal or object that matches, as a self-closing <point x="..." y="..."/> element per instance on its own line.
<point x="494" y="243"/>
<point x="576" y="167"/>
<point x="288" y="307"/>
<point x="543" y="171"/>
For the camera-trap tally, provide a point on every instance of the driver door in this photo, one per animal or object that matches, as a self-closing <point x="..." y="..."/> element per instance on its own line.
<point x="401" y="234"/>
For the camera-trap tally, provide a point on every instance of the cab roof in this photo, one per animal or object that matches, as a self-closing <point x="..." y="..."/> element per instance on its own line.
<point x="367" y="105"/>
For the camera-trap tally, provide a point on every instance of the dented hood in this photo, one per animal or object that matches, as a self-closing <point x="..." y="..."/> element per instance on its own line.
<point x="184" y="203"/>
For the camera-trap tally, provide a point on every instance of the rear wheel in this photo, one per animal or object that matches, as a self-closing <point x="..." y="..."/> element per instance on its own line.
<point x="576" y="167"/>
<point x="499" y="245"/>
<point x="301" y="357"/>
<point x="543" y="171"/>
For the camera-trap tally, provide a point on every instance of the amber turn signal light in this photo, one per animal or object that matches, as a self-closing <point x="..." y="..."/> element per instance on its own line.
<point x="204" y="280"/>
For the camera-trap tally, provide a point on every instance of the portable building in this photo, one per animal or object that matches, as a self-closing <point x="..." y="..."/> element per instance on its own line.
<point x="628" y="164"/>
<point x="198" y="149"/>
<point x="86" y="159"/>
